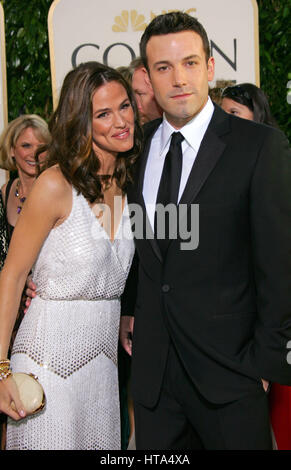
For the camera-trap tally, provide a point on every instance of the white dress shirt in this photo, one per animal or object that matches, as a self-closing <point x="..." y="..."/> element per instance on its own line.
<point x="193" y="133"/>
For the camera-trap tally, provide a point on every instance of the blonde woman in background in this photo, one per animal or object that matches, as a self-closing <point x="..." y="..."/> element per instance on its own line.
<point x="18" y="145"/>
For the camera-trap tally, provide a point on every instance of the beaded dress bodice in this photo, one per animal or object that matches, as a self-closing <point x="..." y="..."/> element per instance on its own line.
<point x="62" y="270"/>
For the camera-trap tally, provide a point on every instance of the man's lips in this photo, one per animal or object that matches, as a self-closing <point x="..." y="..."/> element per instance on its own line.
<point x="181" y="96"/>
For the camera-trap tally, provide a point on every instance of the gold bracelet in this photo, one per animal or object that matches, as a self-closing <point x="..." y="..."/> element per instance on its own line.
<point x="5" y="375"/>
<point x="4" y="367"/>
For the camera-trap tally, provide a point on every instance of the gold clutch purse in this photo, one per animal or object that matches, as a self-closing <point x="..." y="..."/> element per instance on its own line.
<point x="30" y="391"/>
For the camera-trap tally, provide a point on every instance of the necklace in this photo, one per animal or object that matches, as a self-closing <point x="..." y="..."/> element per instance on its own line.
<point x="21" y="199"/>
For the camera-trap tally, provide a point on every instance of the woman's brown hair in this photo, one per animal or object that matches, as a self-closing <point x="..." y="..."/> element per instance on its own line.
<point x="71" y="129"/>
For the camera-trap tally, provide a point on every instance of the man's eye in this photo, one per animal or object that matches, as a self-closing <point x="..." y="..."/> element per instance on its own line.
<point x="162" y="68"/>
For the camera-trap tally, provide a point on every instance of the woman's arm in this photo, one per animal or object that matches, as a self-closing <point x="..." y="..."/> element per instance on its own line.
<point x="47" y="205"/>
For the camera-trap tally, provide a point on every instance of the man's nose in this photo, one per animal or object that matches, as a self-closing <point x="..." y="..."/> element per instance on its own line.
<point x="179" y="76"/>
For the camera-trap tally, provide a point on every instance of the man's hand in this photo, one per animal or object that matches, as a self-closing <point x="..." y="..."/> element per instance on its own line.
<point x="125" y="332"/>
<point x="265" y="384"/>
<point x="30" y="292"/>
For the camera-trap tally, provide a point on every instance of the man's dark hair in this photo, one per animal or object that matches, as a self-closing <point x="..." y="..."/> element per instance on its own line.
<point x="174" y="22"/>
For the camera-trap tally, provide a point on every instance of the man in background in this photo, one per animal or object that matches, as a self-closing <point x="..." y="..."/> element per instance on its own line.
<point x="144" y="94"/>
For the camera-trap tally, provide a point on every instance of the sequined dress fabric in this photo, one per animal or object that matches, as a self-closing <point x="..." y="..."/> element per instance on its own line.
<point x="69" y="336"/>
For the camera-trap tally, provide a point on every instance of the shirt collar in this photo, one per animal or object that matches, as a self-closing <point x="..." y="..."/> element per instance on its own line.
<point x="193" y="131"/>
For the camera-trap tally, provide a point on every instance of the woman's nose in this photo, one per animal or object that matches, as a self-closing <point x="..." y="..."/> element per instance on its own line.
<point x="119" y="120"/>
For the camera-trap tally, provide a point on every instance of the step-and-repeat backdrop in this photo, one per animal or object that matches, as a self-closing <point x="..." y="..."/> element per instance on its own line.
<point x="110" y="32"/>
<point x="3" y="89"/>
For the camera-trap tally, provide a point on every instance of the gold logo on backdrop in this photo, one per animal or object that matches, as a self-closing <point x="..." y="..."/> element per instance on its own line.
<point x="136" y="20"/>
<point x="122" y="21"/>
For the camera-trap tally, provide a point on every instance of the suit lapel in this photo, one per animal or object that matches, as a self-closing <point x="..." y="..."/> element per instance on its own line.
<point x="137" y="195"/>
<point x="135" y="192"/>
<point x="209" y="153"/>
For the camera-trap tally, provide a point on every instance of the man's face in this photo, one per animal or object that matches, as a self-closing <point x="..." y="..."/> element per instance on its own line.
<point x="144" y="95"/>
<point x="179" y="74"/>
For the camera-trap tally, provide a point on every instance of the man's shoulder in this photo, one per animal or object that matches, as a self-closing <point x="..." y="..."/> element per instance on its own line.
<point x="150" y="127"/>
<point x="240" y="128"/>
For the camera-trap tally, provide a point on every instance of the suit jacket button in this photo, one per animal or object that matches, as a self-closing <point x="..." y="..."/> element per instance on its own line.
<point x="165" y="288"/>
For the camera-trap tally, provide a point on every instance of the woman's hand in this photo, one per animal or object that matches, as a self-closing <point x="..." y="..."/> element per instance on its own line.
<point x="10" y="402"/>
<point x="30" y="293"/>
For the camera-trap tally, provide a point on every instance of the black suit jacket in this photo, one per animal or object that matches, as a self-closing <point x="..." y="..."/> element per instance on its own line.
<point x="226" y="305"/>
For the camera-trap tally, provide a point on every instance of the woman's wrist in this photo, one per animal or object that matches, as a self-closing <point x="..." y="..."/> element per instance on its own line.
<point x="5" y="370"/>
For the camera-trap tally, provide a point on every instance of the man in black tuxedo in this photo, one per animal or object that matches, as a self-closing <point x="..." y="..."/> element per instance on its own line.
<point x="212" y="316"/>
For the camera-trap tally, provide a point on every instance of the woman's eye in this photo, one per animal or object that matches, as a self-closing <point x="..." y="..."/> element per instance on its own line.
<point x="102" y="115"/>
<point x="125" y="105"/>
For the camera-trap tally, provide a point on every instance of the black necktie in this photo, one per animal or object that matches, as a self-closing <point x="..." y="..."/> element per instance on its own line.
<point x="169" y="185"/>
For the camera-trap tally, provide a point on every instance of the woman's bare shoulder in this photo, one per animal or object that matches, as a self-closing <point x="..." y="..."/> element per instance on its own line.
<point x="53" y="183"/>
<point x="51" y="194"/>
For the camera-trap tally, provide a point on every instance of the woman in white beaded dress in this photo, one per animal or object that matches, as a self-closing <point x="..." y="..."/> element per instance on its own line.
<point x="75" y="231"/>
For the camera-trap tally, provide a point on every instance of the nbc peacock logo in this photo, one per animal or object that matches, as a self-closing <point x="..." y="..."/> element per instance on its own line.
<point x="127" y="18"/>
<point x="137" y="21"/>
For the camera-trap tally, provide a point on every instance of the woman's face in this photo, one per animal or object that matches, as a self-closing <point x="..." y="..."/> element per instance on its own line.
<point x="24" y="151"/>
<point x="240" y="110"/>
<point x="113" y="120"/>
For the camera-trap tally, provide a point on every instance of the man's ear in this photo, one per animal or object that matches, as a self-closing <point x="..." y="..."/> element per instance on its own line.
<point x="147" y="78"/>
<point x="210" y="68"/>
